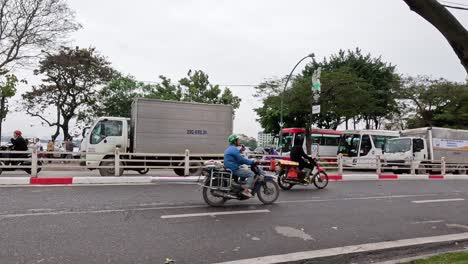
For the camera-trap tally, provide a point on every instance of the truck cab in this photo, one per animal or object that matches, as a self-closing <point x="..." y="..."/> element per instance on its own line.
<point x="103" y="137"/>
<point x="405" y="149"/>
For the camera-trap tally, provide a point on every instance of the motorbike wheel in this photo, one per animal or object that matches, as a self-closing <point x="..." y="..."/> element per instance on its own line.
<point x="269" y="192"/>
<point x="211" y="199"/>
<point x="281" y="182"/>
<point x="320" y="180"/>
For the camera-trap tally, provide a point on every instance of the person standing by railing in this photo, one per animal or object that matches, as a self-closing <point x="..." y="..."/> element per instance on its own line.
<point x="50" y="148"/>
<point x="19" y="144"/>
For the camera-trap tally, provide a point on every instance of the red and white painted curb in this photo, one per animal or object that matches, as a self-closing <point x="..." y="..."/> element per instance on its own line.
<point x="385" y="176"/>
<point x="91" y="180"/>
<point x="147" y="179"/>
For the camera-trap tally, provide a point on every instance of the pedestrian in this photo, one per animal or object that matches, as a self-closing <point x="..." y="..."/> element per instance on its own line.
<point x="50" y="148"/>
<point x="69" y="148"/>
<point x="38" y="145"/>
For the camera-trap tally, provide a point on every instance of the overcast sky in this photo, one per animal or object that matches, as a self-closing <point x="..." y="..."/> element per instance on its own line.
<point x="245" y="42"/>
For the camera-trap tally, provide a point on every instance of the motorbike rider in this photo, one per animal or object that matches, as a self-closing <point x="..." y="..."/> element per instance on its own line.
<point x="233" y="160"/>
<point x="19" y="144"/>
<point x="298" y="155"/>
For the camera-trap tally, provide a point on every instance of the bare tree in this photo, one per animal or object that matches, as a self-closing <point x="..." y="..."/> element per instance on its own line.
<point x="446" y="23"/>
<point x="27" y="26"/>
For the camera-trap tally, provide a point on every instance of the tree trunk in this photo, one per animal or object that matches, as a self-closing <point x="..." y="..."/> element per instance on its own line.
<point x="65" y="128"/>
<point x="308" y="138"/>
<point x="446" y="23"/>
<point x="2" y="113"/>
<point x="346" y="122"/>
<point x="354" y="122"/>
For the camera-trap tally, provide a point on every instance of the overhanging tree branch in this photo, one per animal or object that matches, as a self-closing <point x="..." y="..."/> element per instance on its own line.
<point x="446" y="23"/>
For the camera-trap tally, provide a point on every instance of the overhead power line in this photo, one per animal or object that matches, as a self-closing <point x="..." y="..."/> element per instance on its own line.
<point x="456" y="7"/>
<point x="454" y="3"/>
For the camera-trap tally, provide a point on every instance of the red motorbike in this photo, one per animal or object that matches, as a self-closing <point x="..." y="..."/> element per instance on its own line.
<point x="289" y="174"/>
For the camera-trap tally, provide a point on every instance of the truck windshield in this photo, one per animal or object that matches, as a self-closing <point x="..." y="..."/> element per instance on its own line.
<point x="398" y="145"/>
<point x="349" y="145"/>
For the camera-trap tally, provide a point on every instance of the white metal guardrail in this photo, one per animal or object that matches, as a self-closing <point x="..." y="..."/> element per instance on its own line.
<point x="191" y="163"/>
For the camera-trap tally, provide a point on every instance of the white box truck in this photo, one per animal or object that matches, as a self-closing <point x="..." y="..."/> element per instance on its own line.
<point x="425" y="147"/>
<point x="158" y="126"/>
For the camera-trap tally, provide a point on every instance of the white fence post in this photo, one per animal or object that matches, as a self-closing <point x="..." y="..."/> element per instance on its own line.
<point x="340" y="163"/>
<point x="187" y="162"/>
<point x="412" y="167"/>
<point x="379" y="165"/>
<point x="443" y="169"/>
<point x="34" y="162"/>
<point x="117" y="162"/>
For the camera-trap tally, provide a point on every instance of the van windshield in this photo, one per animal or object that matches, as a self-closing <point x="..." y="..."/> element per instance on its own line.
<point x="398" y="145"/>
<point x="349" y="145"/>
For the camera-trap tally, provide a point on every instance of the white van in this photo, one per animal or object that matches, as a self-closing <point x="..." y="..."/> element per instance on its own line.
<point x="360" y="148"/>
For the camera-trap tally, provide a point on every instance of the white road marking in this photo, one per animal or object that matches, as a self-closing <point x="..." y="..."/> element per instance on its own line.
<point x="438" y="200"/>
<point x="216" y="213"/>
<point x="2" y="216"/>
<point x="306" y="255"/>
<point x="357" y="198"/>
<point x="457" y="226"/>
<point x="429" y="222"/>
<point x="168" y="206"/>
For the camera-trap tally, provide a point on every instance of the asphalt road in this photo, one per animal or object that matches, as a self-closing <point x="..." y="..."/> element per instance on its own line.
<point x="149" y="223"/>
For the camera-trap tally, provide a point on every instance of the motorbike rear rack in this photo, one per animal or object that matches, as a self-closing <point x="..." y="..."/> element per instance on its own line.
<point x="219" y="180"/>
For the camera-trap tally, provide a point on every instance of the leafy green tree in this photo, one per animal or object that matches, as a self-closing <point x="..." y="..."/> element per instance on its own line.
<point x="435" y="102"/>
<point x="8" y="84"/>
<point x="116" y="98"/>
<point x="380" y="76"/>
<point x="354" y="87"/>
<point x="72" y="76"/>
<point x="196" y="87"/>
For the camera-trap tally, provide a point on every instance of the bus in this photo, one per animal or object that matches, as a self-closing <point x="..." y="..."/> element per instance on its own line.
<point x="326" y="139"/>
<point x="360" y="148"/>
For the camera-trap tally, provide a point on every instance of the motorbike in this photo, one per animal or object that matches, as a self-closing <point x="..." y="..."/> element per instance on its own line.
<point x="6" y="161"/>
<point x="220" y="185"/>
<point x="290" y="175"/>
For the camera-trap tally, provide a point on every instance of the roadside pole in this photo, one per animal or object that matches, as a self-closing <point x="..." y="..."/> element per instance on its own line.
<point x="315" y="97"/>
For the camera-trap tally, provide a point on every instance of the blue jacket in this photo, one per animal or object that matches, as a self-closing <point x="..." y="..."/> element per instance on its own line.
<point x="233" y="159"/>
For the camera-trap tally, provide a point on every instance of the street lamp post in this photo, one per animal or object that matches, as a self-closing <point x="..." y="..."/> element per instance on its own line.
<point x="281" y="123"/>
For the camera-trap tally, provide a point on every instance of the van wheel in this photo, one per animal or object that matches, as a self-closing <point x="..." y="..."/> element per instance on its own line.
<point x="109" y="171"/>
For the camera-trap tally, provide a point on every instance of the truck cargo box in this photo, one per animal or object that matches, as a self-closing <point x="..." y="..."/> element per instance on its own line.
<point x="443" y="142"/>
<point x="160" y="126"/>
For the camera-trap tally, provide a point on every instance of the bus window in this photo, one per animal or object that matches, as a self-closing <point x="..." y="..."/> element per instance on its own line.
<point x="316" y="140"/>
<point x="331" y="141"/>
<point x="366" y="145"/>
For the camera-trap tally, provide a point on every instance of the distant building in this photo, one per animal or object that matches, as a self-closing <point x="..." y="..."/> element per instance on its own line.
<point x="264" y="139"/>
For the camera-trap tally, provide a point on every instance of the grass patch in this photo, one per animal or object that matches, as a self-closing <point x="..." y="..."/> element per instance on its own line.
<point x="447" y="258"/>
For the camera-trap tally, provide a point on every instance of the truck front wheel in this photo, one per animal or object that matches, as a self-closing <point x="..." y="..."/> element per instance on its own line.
<point x="109" y="171"/>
